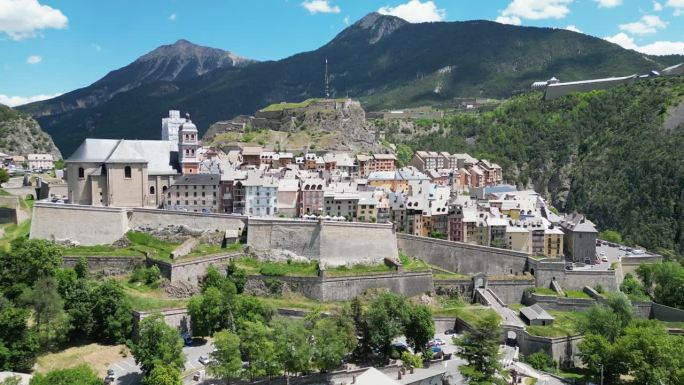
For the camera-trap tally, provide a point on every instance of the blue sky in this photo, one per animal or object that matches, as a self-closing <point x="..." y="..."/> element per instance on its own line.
<point x="51" y="47"/>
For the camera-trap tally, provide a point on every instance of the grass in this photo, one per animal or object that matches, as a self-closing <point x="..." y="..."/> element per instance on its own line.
<point x="286" y="105"/>
<point x="544" y="291"/>
<point x="4" y="193"/>
<point x="296" y="301"/>
<point x="359" y="269"/>
<point x="254" y="266"/>
<point x="413" y="264"/>
<point x="143" y="298"/>
<point x="579" y="374"/>
<point x="12" y="232"/>
<point x="99" y="357"/>
<point x="455" y="307"/>
<point x="564" y="324"/>
<point x="576" y="294"/>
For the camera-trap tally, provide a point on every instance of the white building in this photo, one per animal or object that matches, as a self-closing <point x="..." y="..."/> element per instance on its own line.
<point x="261" y="194"/>
<point x="171" y="125"/>
<point x="40" y="161"/>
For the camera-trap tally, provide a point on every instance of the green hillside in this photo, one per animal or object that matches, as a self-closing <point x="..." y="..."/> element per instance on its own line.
<point x="604" y="153"/>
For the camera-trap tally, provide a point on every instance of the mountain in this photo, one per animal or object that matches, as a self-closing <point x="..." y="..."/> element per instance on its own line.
<point x="21" y="135"/>
<point x="381" y="60"/>
<point x="180" y="61"/>
<point x="615" y="155"/>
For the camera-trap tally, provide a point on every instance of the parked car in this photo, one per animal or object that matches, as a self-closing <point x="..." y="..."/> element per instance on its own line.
<point x="449" y="332"/>
<point x="568" y="266"/>
<point x="400" y="347"/>
<point x="437" y="353"/>
<point x="638" y="252"/>
<point x="437" y="342"/>
<point x="629" y="249"/>
<point x="604" y="259"/>
<point x="623" y="248"/>
<point x="602" y="253"/>
<point x="205" y="360"/>
<point x="598" y="243"/>
<point x="595" y="262"/>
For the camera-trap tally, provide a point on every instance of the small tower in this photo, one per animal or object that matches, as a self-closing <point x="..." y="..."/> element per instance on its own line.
<point x="187" y="147"/>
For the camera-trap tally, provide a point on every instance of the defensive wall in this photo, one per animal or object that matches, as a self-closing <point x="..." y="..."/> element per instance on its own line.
<point x="110" y="265"/>
<point x="547" y="270"/>
<point x="462" y="257"/>
<point x="93" y="225"/>
<point x="630" y="264"/>
<point x="192" y="271"/>
<point x="9" y="207"/>
<point x="510" y="290"/>
<point x="332" y="243"/>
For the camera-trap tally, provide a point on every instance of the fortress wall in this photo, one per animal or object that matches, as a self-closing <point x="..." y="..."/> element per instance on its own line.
<point x="110" y="265"/>
<point x="87" y="225"/>
<point x="156" y="218"/>
<point x="334" y="243"/>
<point x="346" y="288"/>
<point x="575" y="279"/>
<point x="510" y="291"/>
<point x="192" y="271"/>
<point x="462" y="257"/>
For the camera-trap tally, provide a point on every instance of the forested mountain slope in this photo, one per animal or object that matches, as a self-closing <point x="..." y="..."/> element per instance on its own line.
<point x="605" y="153"/>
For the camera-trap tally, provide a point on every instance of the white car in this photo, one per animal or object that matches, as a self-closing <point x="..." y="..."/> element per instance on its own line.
<point x="205" y="360"/>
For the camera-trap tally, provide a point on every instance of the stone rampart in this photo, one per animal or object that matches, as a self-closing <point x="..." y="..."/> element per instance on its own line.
<point x="510" y="290"/>
<point x="462" y="257"/>
<point x="564" y="350"/>
<point x="346" y="288"/>
<point x="546" y="271"/>
<point x="155" y="218"/>
<point x="190" y="272"/>
<point x="666" y="313"/>
<point x="86" y="225"/>
<point x="333" y="243"/>
<point x="110" y="265"/>
<point x="176" y="317"/>
<point x="630" y="264"/>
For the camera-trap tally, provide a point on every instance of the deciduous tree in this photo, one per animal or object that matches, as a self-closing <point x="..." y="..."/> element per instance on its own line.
<point x="480" y="347"/>
<point x="157" y="343"/>
<point x="163" y="374"/>
<point x="79" y="375"/>
<point x="228" y="364"/>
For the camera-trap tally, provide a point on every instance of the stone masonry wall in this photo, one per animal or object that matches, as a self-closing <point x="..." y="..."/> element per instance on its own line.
<point x="462" y="257"/>
<point x="154" y="218"/>
<point x="191" y="272"/>
<point x="86" y="225"/>
<point x="510" y="291"/>
<point x="346" y="288"/>
<point x="106" y="265"/>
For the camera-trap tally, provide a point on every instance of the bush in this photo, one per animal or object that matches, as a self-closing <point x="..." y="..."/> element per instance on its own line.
<point x="273" y="270"/>
<point x="541" y="361"/>
<point x="599" y="288"/>
<point x="149" y="276"/>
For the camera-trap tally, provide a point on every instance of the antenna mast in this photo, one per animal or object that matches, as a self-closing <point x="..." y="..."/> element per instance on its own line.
<point x="327" y="88"/>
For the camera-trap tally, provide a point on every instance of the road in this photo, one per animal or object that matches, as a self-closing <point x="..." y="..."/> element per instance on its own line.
<point x="509" y="316"/>
<point x="126" y="372"/>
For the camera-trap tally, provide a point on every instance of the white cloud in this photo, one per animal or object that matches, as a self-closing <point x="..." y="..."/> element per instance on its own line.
<point x="320" y="6"/>
<point x="608" y="3"/>
<point x="647" y="24"/>
<point x="678" y="6"/>
<point x="346" y="20"/>
<point x="96" y="47"/>
<point x="513" y="20"/>
<point x="34" y="59"/>
<point x="534" y="10"/>
<point x="172" y="16"/>
<point x="22" y="19"/>
<point x="14" y="101"/>
<point x="416" y="11"/>
<point x="657" y="6"/>
<point x="573" y="28"/>
<point x="663" y="47"/>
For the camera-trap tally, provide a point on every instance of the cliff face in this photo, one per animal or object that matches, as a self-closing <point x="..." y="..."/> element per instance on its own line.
<point x="21" y="135"/>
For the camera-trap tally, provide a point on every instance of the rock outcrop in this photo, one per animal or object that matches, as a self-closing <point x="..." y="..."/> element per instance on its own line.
<point x="21" y="135"/>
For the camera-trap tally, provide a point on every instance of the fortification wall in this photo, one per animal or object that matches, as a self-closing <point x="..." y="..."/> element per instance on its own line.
<point x="106" y="265"/>
<point x="154" y="218"/>
<point x="177" y="318"/>
<point x="510" y="291"/>
<point x="630" y="264"/>
<point x="563" y="349"/>
<point x="346" y="288"/>
<point x="462" y="288"/>
<point x="8" y="215"/>
<point x="87" y="225"/>
<point x="334" y="243"/>
<point x="666" y="313"/>
<point x="462" y="257"/>
<point x="190" y="272"/>
<point x="545" y="271"/>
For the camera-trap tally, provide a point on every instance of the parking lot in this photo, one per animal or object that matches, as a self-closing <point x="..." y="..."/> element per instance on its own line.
<point x="613" y="254"/>
<point x="126" y="372"/>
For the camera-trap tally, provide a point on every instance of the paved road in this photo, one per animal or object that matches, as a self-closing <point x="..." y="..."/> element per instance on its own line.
<point x="509" y="316"/>
<point x="126" y="372"/>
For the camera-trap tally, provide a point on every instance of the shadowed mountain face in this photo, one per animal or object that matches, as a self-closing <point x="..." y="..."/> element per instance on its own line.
<point x="382" y="60"/>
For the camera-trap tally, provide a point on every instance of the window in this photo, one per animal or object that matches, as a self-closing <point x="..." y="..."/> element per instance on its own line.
<point x="81" y="172"/>
<point x="127" y="172"/>
<point x="164" y="188"/>
<point x="151" y="190"/>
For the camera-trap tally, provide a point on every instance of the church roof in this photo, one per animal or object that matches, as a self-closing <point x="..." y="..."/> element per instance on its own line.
<point x="161" y="156"/>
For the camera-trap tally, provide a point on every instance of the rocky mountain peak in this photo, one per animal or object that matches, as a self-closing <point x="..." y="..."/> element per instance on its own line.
<point x="377" y="25"/>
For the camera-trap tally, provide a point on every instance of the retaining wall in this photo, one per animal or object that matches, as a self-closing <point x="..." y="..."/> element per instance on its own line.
<point x="8" y="215"/>
<point x="333" y="243"/>
<point x="86" y="225"/>
<point x="462" y="257"/>
<point x="545" y="271"/>
<point x="666" y="313"/>
<point x="192" y="271"/>
<point x="564" y="350"/>
<point x="107" y="265"/>
<point x="154" y="218"/>
<point x="510" y="291"/>
<point x="630" y="264"/>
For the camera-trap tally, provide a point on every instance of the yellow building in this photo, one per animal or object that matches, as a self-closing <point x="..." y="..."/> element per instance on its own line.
<point x="553" y="242"/>
<point x="518" y="238"/>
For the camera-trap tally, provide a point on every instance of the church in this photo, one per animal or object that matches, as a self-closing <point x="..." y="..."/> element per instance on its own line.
<point x="132" y="173"/>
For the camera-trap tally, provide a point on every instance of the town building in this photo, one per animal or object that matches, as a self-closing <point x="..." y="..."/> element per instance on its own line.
<point x="195" y="193"/>
<point x="580" y="238"/>
<point x="261" y="194"/>
<point x="40" y="161"/>
<point x="171" y="126"/>
<point x="188" y="143"/>
<point x="311" y="196"/>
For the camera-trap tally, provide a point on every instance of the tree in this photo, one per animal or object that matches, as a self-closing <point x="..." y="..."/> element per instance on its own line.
<point x="78" y="304"/>
<point x="81" y="268"/>
<point x="654" y="356"/>
<point x="111" y="312"/>
<point x="18" y="344"/>
<point x="249" y="308"/>
<point x="237" y="276"/>
<point x="157" y="343"/>
<point x="361" y="327"/>
<point x="602" y="356"/>
<point x="607" y="320"/>
<point x="258" y="349"/>
<point x="632" y="287"/>
<point x="411" y="361"/>
<point x="227" y="355"/>
<point x="333" y="339"/>
<point x="386" y="317"/>
<point x="79" y="375"/>
<point x="293" y="349"/>
<point x="163" y="374"/>
<point x="29" y="260"/>
<point x="541" y="361"/>
<point x="210" y="312"/>
<point x="52" y="323"/>
<point x="610" y="236"/>
<point x="480" y="347"/>
<point x="4" y="176"/>
<point x="420" y="327"/>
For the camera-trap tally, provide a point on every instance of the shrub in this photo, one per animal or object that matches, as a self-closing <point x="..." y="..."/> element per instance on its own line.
<point x="149" y="276"/>
<point x="541" y="361"/>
